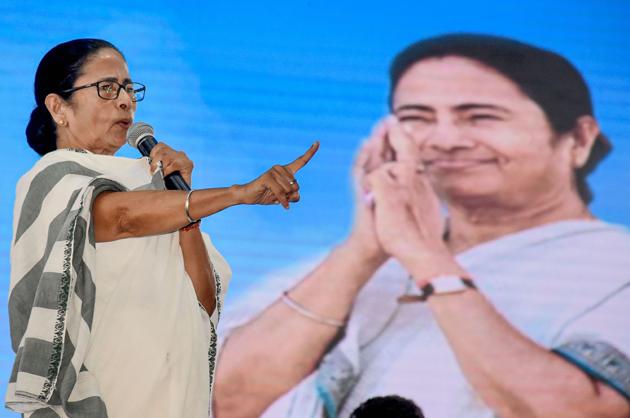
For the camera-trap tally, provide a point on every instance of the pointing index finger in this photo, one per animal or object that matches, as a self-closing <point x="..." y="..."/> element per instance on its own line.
<point x="302" y="160"/>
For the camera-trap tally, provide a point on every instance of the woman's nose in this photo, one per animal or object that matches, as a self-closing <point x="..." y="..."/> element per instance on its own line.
<point x="124" y="100"/>
<point x="447" y="135"/>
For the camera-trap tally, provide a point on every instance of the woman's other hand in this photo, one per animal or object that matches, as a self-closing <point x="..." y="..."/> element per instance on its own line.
<point x="374" y="152"/>
<point x="407" y="215"/>
<point x="406" y="210"/>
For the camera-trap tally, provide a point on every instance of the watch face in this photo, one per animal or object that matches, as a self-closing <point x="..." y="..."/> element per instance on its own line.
<point x="438" y="285"/>
<point x="448" y="284"/>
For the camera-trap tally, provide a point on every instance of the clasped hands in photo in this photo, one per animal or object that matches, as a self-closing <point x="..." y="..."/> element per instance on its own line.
<point x="397" y="210"/>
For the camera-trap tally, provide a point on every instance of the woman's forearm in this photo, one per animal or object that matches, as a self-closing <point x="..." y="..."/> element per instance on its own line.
<point x="269" y="355"/>
<point x="515" y="376"/>
<point x="199" y="267"/>
<point x="120" y="215"/>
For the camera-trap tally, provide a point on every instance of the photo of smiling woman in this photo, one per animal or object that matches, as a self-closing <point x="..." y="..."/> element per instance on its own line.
<point x="115" y="293"/>
<point x="515" y="304"/>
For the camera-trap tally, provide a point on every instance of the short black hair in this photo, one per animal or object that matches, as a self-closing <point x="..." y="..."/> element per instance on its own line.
<point x="546" y="77"/>
<point x="386" y="407"/>
<point x="57" y="71"/>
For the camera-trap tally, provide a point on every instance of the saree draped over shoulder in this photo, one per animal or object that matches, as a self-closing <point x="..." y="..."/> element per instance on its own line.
<point x="103" y="329"/>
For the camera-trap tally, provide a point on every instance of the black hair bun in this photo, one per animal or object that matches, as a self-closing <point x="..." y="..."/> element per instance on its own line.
<point x="41" y="131"/>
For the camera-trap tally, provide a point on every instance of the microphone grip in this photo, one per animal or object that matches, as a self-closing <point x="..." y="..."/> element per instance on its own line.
<point x="173" y="181"/>
<point x="146" y="144"/>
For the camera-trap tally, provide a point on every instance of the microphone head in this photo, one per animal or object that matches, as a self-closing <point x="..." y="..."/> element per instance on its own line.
<point x="137" y="132"/>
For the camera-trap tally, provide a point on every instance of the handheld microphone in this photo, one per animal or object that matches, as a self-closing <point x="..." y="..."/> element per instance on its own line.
<point x="140" y="136"/>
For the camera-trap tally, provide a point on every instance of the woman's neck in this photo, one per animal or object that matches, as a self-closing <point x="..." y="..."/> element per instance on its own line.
<point x="65" y="140"/>
<point x="471" y="223"/>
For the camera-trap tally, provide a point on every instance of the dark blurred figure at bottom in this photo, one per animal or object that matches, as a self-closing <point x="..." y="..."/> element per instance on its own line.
<point x="391" y="406"/>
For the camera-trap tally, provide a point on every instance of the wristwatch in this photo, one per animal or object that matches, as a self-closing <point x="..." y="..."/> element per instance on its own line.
<point x="439" y="285"/>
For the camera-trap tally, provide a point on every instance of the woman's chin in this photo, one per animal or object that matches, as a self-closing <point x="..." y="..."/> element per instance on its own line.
<point x="467" y="192"/>
<point x="121" y="139"/>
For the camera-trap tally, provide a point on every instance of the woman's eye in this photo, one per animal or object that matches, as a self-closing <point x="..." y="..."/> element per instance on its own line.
<point x="480" y="117"/>
<point x="107" y="88"/>
<point x="414" y="118"/>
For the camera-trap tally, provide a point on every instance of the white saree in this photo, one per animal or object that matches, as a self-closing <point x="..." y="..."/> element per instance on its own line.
<point x="103" y="329"/>
<point x="565" y="285"/>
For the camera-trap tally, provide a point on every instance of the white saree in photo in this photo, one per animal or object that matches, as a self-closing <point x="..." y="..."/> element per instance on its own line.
<point x="565" y="285"/>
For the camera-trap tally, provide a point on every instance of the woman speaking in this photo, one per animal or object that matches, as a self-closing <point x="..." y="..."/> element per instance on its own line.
<point x="115" y="293"/>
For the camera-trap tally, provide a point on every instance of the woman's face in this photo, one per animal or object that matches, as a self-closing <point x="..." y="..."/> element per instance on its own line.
<point x="93" y="123"/>
<point x="479" y="135"/>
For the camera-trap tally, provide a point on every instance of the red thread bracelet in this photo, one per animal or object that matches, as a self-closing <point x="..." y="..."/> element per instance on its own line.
<point x="190" y="226"/>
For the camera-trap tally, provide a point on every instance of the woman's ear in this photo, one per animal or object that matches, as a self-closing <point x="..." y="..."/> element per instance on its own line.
<point x="584" y="135"/>
<point x="57" y="108"/>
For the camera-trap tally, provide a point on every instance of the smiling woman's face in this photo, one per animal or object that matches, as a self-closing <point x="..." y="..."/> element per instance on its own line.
<point x="479" y="135"/>
<point x="93" y="123"/>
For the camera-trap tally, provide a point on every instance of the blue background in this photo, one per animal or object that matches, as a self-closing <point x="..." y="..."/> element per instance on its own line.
<point x="245" y="85"/>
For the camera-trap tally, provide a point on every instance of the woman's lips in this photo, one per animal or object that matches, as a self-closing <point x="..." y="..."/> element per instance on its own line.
<point x="458" y="164"/>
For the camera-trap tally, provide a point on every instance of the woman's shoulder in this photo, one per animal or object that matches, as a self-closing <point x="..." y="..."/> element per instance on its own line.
<point x="610" y="234"/>
<point x="59" y="158"/>
<point x="57" y="163"/>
